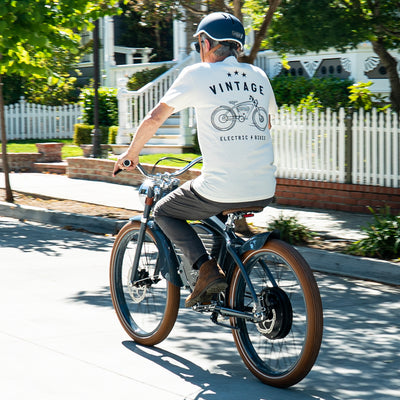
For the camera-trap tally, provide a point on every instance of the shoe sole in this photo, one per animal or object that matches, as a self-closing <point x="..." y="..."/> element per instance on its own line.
<point x="214" y="287"/>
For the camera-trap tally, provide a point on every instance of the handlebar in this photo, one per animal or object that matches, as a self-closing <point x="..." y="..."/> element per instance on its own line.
<point x="128" y="163"/>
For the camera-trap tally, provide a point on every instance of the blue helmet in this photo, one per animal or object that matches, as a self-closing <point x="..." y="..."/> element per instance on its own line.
<point x="222" y="26"/>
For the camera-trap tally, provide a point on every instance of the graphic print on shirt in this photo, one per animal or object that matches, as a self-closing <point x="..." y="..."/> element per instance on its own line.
<point x="224" y="118"/>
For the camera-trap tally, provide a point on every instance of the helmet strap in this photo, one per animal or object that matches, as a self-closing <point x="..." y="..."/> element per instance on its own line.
<point x="213" y="50"/>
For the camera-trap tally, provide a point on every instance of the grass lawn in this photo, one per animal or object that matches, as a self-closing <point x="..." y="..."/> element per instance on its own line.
<point x="28" y="146"/>
<point x="70" y="150"/>
<point x="153" y="158"/>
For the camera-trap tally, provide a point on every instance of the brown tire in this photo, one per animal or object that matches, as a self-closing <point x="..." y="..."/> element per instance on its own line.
<point x="146" y="304"/>
<point x="281" y="349"/>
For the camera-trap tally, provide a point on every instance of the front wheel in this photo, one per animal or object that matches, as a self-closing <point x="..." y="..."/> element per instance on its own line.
<point x="281" y="349"/>
<point x="146" y="304"/>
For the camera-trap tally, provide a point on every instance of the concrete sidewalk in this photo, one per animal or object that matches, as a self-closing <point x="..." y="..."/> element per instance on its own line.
<point x="335" y="224"/>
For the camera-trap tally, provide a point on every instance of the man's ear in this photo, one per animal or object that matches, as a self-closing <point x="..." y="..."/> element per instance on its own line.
<point x="208" y="44"/>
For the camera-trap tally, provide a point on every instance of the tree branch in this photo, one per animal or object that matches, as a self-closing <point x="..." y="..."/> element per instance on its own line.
<point x="260" y="35"/>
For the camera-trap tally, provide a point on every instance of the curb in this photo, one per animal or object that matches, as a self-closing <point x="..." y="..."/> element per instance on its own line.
<point x="319" y="260"/>
<point x="352" y="266"/>
<point x="88" y="223"/>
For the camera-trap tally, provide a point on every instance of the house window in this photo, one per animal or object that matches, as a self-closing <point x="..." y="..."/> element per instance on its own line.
<point x="374" y="69"/>
<point x="296" y="69"/>
<point x="331" y="67"/>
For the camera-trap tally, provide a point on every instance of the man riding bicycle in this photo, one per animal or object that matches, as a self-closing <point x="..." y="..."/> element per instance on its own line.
<point x="238" y="170"/>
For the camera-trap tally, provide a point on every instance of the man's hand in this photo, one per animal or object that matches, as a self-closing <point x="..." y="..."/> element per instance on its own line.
<point x="119" y="164"/>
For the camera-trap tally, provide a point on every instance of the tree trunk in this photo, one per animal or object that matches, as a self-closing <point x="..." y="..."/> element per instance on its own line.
<point x="390" y="63"/>
<point x="237" y="9"/>
<point x="96" y="140"/>
<point x="9" y="194"/>
<point x="260" y="35"/>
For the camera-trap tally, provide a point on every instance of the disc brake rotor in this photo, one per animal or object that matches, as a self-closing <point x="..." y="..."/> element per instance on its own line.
<point x="136" y="291"/>
<point x="279" y="314"/>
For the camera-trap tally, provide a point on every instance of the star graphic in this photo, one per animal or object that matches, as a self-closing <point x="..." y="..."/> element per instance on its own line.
<point x="236" y="72"/>
<point x="244" y="74"/>
<point x="229" y="74"/>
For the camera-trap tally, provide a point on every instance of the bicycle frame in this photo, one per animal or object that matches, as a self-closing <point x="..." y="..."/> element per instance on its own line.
<point x="276" y="323"/>
<point x="233" y="246"/>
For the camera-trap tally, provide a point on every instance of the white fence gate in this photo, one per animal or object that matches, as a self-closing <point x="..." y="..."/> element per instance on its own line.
<point x="34" y="121"/>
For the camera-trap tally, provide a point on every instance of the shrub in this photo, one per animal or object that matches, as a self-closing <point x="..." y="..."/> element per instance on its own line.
<point x="291" y="230"/>
<point x="362" y="97"/>
<point x="331" y="92"/>
<point x="383" y="237"/>
<point x="83" y="134"/>
<point x="108" y="106"/>
<point x="112" y="134"/>
<point x="142" y="78"/>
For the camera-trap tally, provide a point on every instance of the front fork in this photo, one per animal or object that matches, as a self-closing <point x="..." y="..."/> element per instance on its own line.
<point x="142" y="232"/>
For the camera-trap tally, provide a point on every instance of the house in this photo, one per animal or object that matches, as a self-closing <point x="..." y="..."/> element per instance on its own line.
<point x="118" y="63"/>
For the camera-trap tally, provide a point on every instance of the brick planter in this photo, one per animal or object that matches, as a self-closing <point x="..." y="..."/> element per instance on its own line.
<point x="293" y="192"/>
<point x="50" y="152"/>
<point x="20" y="162"/>
<point x="101" y="170"/>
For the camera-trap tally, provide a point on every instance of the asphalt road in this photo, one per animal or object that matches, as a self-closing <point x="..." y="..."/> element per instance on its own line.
<point x="60" y="338"/>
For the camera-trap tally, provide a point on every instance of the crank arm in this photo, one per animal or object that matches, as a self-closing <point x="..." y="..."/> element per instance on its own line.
<point x="225" y="312"/>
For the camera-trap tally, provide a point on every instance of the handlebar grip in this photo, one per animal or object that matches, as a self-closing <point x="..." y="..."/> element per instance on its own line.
<point x="126" y="163"/>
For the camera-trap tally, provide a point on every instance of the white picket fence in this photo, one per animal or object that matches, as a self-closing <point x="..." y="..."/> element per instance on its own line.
<point x="34" y="121"/>
<point x="375" y="149"/>
<point x="310" y="145"/>
<point x="323" y="146"/>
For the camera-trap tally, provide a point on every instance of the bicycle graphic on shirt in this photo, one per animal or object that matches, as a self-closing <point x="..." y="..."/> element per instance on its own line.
<point x="224" y="118"/>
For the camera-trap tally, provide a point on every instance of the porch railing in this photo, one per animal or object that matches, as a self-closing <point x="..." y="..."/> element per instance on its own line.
<point x="134" y="105"/>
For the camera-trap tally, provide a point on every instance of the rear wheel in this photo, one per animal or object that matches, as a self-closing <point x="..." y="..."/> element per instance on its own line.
<point x="281" y="349"/>
<point x="146" y="304"/>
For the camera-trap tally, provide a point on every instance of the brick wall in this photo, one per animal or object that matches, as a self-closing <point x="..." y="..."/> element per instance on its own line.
<point x="293" y="192"/>
<point x="20" y="162"/>
<point x="101" y="170"/>
<point x="336" y="196"/>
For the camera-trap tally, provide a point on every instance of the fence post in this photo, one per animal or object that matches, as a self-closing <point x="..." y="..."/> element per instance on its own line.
<point x="348" y="146"/>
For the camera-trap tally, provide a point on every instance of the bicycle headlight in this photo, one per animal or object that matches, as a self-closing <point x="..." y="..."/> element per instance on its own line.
<point x="144" y="189"/>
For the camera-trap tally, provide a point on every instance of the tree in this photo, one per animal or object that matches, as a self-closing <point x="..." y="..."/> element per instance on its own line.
<point x="195" y="10"/>
<point x="31" y="32"/>
<point x="314" y="25"/>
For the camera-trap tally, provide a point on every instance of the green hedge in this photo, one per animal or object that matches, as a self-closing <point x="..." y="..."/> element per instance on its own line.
<point x="331" y="92"/>
<point x="112" y="134"/>
<point x="142" y="78"/>
<point x="83" y="134"/>
<point x="108" y="106"/>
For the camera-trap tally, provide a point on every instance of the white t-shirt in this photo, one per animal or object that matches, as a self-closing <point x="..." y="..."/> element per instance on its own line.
<point x="232" y="102"/>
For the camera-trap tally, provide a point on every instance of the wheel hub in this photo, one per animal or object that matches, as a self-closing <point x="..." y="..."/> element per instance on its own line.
<point x="279" y="314"/>
<point x="138" y="289"/>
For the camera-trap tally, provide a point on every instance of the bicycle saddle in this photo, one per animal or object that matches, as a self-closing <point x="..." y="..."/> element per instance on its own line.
<point x="246" y="210"/>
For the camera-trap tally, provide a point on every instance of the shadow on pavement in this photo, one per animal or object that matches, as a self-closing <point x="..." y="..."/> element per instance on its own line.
<point x="359" y="357"/>
<point x="48" y="239"/>
<point x="98" y="298"/>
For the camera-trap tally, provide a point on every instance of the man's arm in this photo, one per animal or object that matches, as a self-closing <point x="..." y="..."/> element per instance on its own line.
<point x="146" y="130"/>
